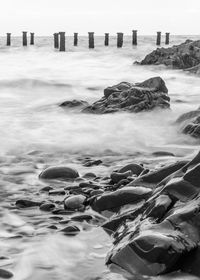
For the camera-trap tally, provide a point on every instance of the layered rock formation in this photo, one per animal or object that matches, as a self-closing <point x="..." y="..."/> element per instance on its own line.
<point x="183" y="56"/>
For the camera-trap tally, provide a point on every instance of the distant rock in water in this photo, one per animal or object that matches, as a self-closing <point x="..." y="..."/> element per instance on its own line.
<point x="59" y="172"/>
<point x="183" y="56"/>
<point x="190" y="123"/>
<point x="71" y="104"/>
<point x="138" y="97"/>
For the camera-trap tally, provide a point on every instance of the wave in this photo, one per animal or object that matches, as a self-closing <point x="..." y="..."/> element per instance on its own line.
<point x="32" y="83"/>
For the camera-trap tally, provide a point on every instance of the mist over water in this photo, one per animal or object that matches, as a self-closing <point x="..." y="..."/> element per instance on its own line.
<point x="36" y="132"/>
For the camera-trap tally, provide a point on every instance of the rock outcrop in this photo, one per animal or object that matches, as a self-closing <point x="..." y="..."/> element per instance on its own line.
<point x="138" y="97"/>
<point x="183" y="56"/>
<point x="190" y="123"/>
<point x="161" y="233"/>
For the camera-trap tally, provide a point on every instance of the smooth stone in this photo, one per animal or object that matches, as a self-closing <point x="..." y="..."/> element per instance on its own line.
<point x="81" y="218"/>
<point x="89" y="175"/>
<point x="46" y="189"/>
<point x="89" y="185"/>
<point x="96" y="192"/>
<point x="75" y="202"/>
<point x="162" y="153"/>
<point x="70" y="230"/>
<point x="47" y="207"/>
<point x="52" y="227"/>
<point x="62" y="212"/>
<point x="117" y="177"/>
<point x="59" y="172"/>
<point x="25" y="203"/>
<point x="135" y="168"/>
<point x="57" y="192"/>
<point x="5" y="274"/>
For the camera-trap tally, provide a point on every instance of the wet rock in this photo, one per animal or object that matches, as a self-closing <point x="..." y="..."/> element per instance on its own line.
<point x="81" y="218"/>
<point x="161" y="234"/>
<point x="189" y="123"/>
<point x="59" y="172"/>
<point x="75" y="202"/>
<point x="133" y="167"/>
<point x="71" y="104"/>
<point x="96" y="192"/>
<point x="70" y="230"/>
<point x="57" y="192"/>
<point x="162" y="153"/>
<point x="91" y="162"/>
<point x="116" y="199"/>
<point x="117" y="177"/>
<point x="138" y="97"/>
<point x="5" y="274"/>
<point x="46" y="189"/>
<point x="89" y="175"/>
<point x="25" y="203"/>
<point x="52" y="227"/>
<point x="89" y="185"/>
<point x="62" y="212"/>
<point x="183" y="56"/>
<point x="47" y="206"/>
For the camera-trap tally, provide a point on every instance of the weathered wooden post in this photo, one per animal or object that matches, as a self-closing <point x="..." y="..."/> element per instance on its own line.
<point x="158" y="40"/>
<point x="56" y="40"/>
<point x="134" y="37"/>
<point x="62" y="41"/>
<point x="75" y="39"/>
<point x="91" y="40"/>
<point x="106" y="39"/>
<point x="167" y="38"/>
<point x="24" y="38"/>
<point x="8" y="43"/>
<point x="32" y="39"/>
<point x="120" y="39"/>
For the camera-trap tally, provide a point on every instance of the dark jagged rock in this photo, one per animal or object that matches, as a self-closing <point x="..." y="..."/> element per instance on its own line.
<point x="190" y="123"/>
<point x="183" y="56"/>
<point x="59" y="172"/>
<point x="116" y="199"/>
<point x="162" y="233"/>
<point x="138" y="97"/>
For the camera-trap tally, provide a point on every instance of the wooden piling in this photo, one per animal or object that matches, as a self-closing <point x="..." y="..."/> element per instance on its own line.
<point x="8" y="42"/>
<point x="91" y="40"/>
<point x="134" y="37"/>
<point x="24" y="38"/>
<point x="106" y="39"/>
<point x="158" y="40"/>
<point x="62" y="41"/>
<point x="120" y="39"/>
<point x="56" y="40"/>
<point x="32" y="39"/>
<point x="75" y="39"/>
<point x="167" y="38"/>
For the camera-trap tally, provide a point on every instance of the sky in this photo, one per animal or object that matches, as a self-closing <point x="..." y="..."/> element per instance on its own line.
<point x="44" y="17"/>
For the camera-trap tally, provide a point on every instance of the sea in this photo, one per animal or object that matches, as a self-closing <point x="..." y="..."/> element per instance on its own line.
<point x="36" y="133"/>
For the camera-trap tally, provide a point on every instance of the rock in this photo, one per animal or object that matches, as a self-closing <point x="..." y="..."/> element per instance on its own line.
<point x="75" y="202"/>
<point x="59" y="172"/>
<point x="89" y="163"/>
<point x="153" y="178"/>
<point x="52" y="227"/>
<point x="46" y="189"/>
<point x="117" y="177"/>
<point x="70" y="230"/>
<point x="57" y="192"/>
<point x="5" y="274"/>
<point x="71" y="104"/>
<point x="190" y="123"/>
<point x="47" y="206"/>
<point x="81" y="218"/>
<point x="162" y="233"/>
<point x="96" y="192"/>
<point x="116" y="199"/>
<point x="183" y="56"/>
<point x="138" y="97"/>
<point x="133" y="167"/>
<point x="89" y="175"/>
<point x="25" y="203"/>
<point x="163" y="153"/>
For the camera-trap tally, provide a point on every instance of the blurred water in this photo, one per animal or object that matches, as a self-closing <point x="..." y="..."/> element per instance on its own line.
<point x="36" y="132"/>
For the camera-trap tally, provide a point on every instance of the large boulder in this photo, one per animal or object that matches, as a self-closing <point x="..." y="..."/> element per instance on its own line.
<point x="138" y="97"/>
<point x="162" y="233"/>
<point x="183" y="56"/>
<point x="189" y="123"/>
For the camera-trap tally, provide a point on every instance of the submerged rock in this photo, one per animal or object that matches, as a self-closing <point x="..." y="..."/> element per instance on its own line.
<point x="138" y="97"/>
<point x="183" y="56"/>
<point x="25" y="203"/>
<point x="5" y="274"/>
<point x="59" y="172"/>
<point x="190" y="123"/>
<point x="71" y="104"/>
<point x="162" y="233"/>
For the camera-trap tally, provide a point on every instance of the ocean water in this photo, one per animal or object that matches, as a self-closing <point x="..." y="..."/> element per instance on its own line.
<point x="36" y="132"/>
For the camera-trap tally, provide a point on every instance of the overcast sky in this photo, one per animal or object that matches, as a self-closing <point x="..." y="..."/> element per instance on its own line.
<point x="45" y="17"/>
